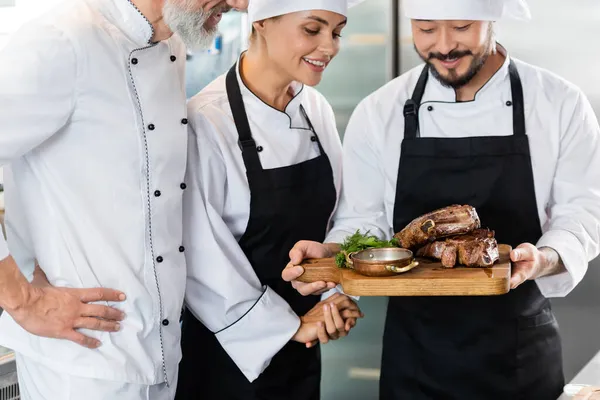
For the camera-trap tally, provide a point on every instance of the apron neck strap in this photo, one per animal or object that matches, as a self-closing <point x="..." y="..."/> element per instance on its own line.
<point x="236" y="102"/>
<point x="312" y="129"/>
<point x="517" y="100"/>
<point x="411" y="107"/>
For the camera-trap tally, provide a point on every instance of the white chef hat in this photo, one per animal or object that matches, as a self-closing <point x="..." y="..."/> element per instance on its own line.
<point x="263" y="9"/>
<point x="473" y="10"/>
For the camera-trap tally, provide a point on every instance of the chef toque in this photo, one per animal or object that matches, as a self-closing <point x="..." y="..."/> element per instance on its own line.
<point x="472" y="10"/>
<point x="263" y="9"/>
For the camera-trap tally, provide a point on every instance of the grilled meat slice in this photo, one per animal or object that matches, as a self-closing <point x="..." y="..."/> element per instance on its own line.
<point x="476" y="249"/>
<point x="440" y="250"/>
<point x="438" y="224"/>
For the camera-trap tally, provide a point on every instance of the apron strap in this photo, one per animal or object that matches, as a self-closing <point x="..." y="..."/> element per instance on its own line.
<point x="311" y="127"/>
<point x="236" y="102"/>
<point x="517" y="99"/>
<point x="411" y="107"/>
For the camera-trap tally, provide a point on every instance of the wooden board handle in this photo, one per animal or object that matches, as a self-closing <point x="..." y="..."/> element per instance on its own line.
<point x="320" y="270"/>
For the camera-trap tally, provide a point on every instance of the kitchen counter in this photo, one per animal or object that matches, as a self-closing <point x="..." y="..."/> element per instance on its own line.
<point x="589" y="375"/>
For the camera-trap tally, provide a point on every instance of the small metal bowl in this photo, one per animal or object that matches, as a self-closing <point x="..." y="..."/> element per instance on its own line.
<point x="388" y="261"/>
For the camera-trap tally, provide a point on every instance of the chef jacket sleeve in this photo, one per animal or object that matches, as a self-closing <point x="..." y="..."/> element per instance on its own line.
<point x="38" y="70"/>
<point x="361" y="206"/>
<point x="250" y="321"/>
<point x="573" y="228"/>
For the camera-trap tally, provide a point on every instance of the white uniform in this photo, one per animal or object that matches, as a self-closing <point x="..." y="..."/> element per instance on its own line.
<point x="94" y="127"/>
<point x="565" y="150"/>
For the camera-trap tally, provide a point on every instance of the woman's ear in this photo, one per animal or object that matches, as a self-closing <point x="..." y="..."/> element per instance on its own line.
<point x="259" y="26"/>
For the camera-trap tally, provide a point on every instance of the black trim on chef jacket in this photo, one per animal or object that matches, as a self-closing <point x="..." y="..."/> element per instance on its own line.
<point x="287" y="204"/>
<point x="149" y="206"/>
<point x="495" y="347"/>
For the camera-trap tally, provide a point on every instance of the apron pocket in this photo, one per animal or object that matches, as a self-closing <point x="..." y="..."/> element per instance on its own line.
<point x="544" y="317"/>
<point x="539" y="357"/>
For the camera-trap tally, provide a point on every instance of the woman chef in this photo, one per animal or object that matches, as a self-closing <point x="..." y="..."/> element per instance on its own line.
<point x="269" y="163"/>
<point x="475" y="126"/>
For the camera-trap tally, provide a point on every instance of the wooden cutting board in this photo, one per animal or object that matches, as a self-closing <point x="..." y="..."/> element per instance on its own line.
<point x="430" y="278"/>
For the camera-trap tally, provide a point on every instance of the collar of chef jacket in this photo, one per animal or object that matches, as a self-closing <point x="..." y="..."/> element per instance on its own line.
<point x="126" y="16"/>
<point x="440" y="115"/>
<point x="265" y="115"/>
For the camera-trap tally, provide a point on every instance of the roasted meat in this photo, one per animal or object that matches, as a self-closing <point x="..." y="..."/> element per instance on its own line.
<point x="475" y="249"/>
<point x="445" y="222"/>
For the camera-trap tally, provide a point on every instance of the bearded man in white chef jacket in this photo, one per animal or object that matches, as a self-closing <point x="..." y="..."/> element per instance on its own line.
<point x="474" y="126"/>
<point x="93" y="124"/>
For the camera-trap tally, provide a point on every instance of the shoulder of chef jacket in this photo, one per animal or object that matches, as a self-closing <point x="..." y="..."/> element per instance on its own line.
<point x="93" y="128"/>
<point x="218" y="176"/>
<point x="564" y="138"/>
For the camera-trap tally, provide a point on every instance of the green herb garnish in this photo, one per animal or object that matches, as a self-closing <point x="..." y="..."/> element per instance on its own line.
<point x="358" y="242"/>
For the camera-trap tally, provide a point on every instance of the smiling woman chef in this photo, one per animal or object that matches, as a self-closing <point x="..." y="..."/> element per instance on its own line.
<point x="475" y="126"/>
<point x="268" y="162"/>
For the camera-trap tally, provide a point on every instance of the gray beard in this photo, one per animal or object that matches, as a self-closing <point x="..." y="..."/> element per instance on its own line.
<point x="189" y="25"/>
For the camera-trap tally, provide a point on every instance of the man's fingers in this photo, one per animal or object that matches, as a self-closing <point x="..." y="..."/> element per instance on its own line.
<point x="524" y="252"/>
<point x="521" y="272"/>
<point x="97" y="324"/>
<point x="100" y="294"/>
<point x="82" y="340"/>
<point x="104" y="312"/>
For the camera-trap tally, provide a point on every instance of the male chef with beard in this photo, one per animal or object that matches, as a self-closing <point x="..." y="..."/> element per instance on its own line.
<point x="93" y="123"/>
<point x="475" y="126"/>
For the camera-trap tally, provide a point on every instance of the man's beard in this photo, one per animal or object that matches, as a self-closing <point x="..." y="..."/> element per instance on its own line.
<point x="453" y="79"/>
<point x="190" y="23"/>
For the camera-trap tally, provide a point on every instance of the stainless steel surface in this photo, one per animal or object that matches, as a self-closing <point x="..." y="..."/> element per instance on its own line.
<point x="9" y="388"/>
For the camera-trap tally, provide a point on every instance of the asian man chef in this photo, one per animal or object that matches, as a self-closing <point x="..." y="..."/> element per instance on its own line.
<point x="267" y="160"/>
<point x="94" y="125"/>
<point x="475" y="126"/>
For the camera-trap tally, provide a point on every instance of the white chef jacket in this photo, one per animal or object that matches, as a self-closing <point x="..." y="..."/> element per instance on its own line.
<point x="93" y="123"/>
<point x="565" y="150"/>
<point x="218" y="165"/>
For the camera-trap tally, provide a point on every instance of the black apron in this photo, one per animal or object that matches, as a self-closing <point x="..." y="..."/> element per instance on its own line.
<point x="287" y="205"/>
<point x="470" y="348"/>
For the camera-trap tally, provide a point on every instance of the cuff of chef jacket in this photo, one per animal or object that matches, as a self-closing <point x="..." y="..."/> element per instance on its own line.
<point x="254" y="339"/>
<point x="573" y="256"/>
<point x="337" y="289"/>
